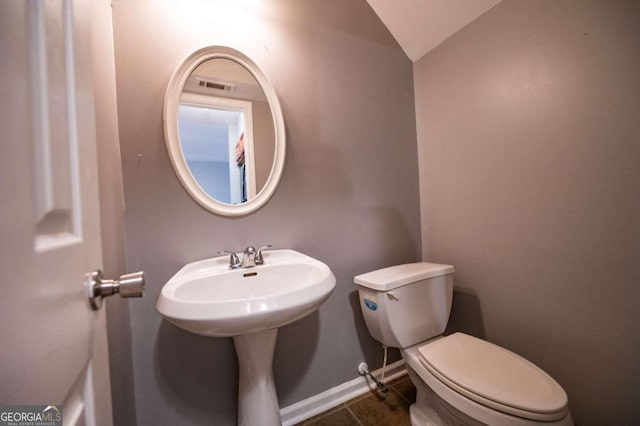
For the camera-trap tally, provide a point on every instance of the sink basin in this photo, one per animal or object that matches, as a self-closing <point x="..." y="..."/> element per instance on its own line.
<point x="208" y="298"/>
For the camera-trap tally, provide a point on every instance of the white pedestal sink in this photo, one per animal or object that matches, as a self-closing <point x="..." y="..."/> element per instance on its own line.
<point x="249" y="304"/>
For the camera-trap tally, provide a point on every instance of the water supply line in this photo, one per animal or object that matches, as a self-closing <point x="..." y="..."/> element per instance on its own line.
<point x="384" y="363"/>
<point x="363" y="369"/>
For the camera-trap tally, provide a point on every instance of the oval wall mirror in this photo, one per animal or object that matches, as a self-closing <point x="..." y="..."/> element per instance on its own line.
<point x="224" y="131"/>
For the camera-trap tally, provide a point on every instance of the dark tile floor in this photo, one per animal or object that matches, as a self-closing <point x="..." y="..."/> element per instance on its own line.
<point x="372" y="408"/>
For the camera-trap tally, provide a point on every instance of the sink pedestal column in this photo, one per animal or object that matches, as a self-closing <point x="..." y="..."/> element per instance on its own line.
<point x="257" y="399"/>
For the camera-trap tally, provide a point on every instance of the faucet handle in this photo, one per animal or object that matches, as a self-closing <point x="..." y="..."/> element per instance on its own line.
<point x="234" y="262"/>
<point x="259" y="259"/>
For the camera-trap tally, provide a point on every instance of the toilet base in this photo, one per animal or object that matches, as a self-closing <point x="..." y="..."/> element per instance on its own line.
<point x="422" y="411"/>
<point x="430" y="410"/>
<point x="421" y="417"/>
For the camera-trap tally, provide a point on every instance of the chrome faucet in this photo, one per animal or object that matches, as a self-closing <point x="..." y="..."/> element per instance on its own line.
<point x="250" y="257"/>
<point x="258" y="257"/>
<point x="234" y="262"/>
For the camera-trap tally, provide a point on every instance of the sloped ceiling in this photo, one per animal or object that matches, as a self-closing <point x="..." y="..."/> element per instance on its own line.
<point x="421" y="25"/>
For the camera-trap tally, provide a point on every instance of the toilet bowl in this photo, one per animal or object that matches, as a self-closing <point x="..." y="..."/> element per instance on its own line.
<point x="460" y="379"/>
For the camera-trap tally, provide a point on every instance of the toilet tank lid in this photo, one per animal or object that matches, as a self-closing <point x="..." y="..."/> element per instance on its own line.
<point x="399" y="275"/>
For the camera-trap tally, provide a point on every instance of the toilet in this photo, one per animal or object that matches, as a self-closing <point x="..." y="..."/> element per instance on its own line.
<point x="460" y="379"/>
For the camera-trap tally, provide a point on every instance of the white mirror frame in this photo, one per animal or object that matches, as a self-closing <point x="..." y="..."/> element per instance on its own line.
<point x="172" y="137"/>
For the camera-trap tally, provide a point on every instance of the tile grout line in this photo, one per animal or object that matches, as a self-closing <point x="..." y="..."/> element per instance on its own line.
<point x="394" y="389"/>
<point x="353" y="415"/>
<point x="374" y="394"/>
<point x="324" y="414"/>
<point x="298" y="412"/>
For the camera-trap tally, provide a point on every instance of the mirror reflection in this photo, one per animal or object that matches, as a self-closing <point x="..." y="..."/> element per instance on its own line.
<point x="226" y="131"/>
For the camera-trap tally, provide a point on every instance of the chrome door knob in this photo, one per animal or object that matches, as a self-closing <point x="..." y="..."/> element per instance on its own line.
<point x="128" y="285"/>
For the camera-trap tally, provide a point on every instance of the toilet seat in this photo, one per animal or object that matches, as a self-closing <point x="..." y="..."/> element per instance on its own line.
<point x="494" y="377"/>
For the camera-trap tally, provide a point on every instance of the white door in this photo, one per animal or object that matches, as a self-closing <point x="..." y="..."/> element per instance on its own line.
<point x="52" y="344"/>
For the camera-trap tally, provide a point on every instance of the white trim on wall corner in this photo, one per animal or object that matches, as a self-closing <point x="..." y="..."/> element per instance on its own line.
<point x="333" y="397"/>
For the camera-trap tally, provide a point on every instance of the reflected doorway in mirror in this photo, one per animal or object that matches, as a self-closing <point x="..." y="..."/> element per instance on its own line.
<point x="210" y="130"/>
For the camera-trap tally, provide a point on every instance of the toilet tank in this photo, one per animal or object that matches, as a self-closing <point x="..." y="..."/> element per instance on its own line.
<point x="406" y="304"/>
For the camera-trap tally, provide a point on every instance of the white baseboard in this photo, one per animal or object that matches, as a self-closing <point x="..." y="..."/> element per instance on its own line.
<point x="333" y="397"/>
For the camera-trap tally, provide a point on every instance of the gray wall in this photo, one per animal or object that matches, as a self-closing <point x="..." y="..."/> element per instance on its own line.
<point x="528" y="126"/>
<point x="348" y="196"/>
